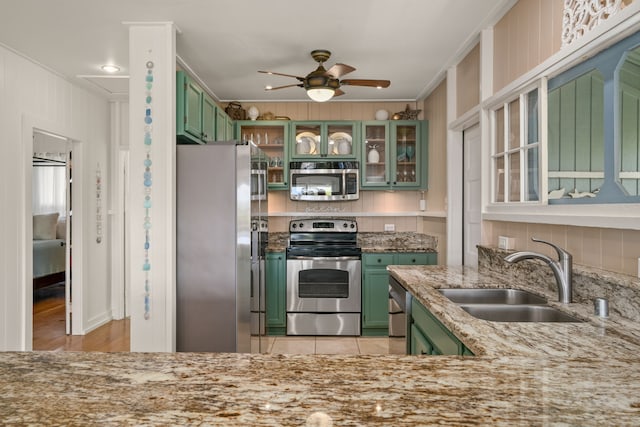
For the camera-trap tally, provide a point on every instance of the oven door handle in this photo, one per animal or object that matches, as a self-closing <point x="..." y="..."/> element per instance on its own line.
<point x="324" y="258"/>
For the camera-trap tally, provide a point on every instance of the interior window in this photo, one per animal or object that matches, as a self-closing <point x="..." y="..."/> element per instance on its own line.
<point x="515" y="161"/>
<point x="594" y="128"/>
<point x="629" y="122"/>
<point x="576" y="137"/>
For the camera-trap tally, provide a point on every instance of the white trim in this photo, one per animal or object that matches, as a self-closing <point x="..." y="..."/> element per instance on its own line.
<point x="455" y="184"/>
<point x="620" y="216"/>
<point x="30" y="123"/>
<point x="575" y="174"/>
<point x="468" y="119"/>
<point x="629" y="175"/>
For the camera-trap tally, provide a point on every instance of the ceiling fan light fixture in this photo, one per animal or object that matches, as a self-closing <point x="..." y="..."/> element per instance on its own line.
<point x="321" y="94"/>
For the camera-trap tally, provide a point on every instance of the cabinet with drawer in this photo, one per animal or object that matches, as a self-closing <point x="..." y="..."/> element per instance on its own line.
<point x="375" y="286"/>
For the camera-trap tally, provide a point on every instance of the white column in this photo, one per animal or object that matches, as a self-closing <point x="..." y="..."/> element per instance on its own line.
<point x="152" y="70"/>
<point x="454" y="175"/>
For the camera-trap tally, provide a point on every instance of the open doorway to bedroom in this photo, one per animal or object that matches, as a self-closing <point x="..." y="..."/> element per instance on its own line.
<point x="51" y="207"/>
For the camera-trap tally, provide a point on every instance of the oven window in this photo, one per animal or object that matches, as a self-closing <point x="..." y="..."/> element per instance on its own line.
<point x="316" y="185"/>
<point x="323" y="283"/>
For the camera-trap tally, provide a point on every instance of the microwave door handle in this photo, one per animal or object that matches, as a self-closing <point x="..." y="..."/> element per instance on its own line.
<point x="344" y="183"/>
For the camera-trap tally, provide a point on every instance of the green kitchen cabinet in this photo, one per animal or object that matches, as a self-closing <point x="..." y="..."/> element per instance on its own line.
<point x="221" y="125"/>
<point x="275" y="290"/>
<point x="394" y="155"/>
<point x="199" y="120"/>
<point x="430" y="337"/>
<point x="375" y="287"/>
<point x="195" y="112"/>
<point x="270" y="135"/>
<point x="326" y="140"/>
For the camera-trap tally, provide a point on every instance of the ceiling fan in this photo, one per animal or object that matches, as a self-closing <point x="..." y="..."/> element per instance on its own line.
<point x="322" y="85"/>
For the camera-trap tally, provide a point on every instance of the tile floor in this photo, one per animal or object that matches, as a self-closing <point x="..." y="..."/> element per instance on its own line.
<point x="331" y="345"/>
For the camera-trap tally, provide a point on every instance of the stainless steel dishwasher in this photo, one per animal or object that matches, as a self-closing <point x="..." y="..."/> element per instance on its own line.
<point x="399" y="318"/>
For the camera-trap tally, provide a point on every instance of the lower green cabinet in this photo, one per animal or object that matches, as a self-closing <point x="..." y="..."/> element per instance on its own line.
<point x="275" y="290"/>
<point x="429" y="336"/>
<point x="375" y="287"/>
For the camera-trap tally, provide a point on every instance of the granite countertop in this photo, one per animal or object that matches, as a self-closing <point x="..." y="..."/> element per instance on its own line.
<point x="373" y="242"/>
<point x="522" y="374"/>
<point x="279" y="390"/>
<point x="614" y="336"/>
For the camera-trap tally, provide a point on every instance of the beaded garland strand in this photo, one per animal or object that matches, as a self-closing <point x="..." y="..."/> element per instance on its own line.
<point x="148" y="128"/>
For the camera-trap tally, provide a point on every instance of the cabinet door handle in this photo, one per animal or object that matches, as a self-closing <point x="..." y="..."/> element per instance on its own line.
<point x="413" y="260"/>
<point x="379" y="260"/>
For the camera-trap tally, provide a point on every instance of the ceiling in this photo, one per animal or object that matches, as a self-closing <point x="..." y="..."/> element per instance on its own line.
<point x="225" y="42"/>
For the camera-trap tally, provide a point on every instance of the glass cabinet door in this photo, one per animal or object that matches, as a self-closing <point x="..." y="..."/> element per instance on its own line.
<point x="406" y="170"/>
<point x="340" y="138"/>
<point x="323" y="139"/>
<point x="375" y="159"/>
<point x="271" y="137"/>
<point x="307" y="140"/>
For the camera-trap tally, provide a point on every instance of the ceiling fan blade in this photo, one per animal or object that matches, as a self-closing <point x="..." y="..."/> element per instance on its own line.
<point x="339" y="70"/>
<point x="338" y="92"/>
<point x="281" y="74"/>
<point x="282" y="87"/>
<point x="364" y="82"/>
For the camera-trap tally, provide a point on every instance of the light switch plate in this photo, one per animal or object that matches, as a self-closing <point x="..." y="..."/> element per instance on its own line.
<point x="389" y="227"/>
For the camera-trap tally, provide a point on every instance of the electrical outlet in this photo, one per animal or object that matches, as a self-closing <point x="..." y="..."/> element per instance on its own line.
<point x="506" y="242"/>
<point x="389" y="227"/>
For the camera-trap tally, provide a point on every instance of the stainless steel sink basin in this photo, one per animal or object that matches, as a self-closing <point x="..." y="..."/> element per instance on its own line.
<point x="491" y="296"/>
<point x="517" y="313"/>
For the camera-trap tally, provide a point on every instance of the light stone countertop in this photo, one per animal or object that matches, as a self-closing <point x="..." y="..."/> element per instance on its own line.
<point x="614" y="336"/>
<point x="373" y="242"/>
<point x="116" y="389"/>
<point x="523" y="374"/>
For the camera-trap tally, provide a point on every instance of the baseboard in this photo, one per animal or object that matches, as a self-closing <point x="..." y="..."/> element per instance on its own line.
<point x="97" y="321"/>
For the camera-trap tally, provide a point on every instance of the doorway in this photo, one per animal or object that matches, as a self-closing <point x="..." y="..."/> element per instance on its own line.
<point x="51" y="211"/>
<point x="472" y="195"/>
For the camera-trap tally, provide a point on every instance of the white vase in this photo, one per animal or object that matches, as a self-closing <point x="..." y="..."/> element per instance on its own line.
<point x="382" y="115"/>
<point x="253" y="113"/>
<point x="373" y="156"/>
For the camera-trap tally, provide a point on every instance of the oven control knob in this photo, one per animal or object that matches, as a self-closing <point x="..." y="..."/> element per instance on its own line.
<point x="345" y="225"/>
<point x="353" y="225"/>
<point x="301" y="225"/>
<point x="294" y="225"/>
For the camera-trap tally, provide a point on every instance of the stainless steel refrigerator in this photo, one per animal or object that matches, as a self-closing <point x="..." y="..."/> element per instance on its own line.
<point x="221" y="210"/>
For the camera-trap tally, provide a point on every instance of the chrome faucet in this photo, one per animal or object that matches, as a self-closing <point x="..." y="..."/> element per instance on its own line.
<point x="562" y="269"/>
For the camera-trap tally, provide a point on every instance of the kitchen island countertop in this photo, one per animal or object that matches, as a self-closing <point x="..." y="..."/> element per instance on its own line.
<point x="509" y="382"/>
<point x="295" y="390"/>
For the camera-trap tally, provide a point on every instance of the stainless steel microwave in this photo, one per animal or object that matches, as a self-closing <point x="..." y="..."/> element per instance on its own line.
<point x="324" y="181"/>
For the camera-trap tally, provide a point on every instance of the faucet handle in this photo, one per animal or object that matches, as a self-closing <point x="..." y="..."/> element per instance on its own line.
<point x="562" y="254"/>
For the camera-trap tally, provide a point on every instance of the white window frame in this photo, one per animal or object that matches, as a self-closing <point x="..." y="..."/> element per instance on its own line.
<point x="523" y="148"/>
<point x="618" y="216"/>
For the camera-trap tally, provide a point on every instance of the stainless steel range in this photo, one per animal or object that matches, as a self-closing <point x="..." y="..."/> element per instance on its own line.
<point x="323" y="277"/>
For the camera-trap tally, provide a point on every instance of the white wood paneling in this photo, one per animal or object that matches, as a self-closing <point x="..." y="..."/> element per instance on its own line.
<point x="31" y="96"/>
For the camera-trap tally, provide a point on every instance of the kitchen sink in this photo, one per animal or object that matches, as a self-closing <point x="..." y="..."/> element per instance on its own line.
<point x="517" y="313"/>
<point x="491" y="296"/>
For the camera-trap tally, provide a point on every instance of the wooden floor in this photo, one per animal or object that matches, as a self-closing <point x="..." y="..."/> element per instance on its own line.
<point x="49" y="328"/>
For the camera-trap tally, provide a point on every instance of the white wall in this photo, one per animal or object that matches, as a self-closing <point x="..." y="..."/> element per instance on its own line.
<point x="33" y="96"/>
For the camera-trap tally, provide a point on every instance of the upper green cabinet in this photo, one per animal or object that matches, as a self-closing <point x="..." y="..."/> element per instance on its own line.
<point x="394" y="155"/>
<point x="198" y="119"/>
<point x="271" y="137"/>
<point x="323" y="139"/>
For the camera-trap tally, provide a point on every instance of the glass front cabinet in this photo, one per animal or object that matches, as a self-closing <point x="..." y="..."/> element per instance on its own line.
<point x="313" y="140"/>
<point x="394" y="155"/>
<point x="271" y="137"/>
